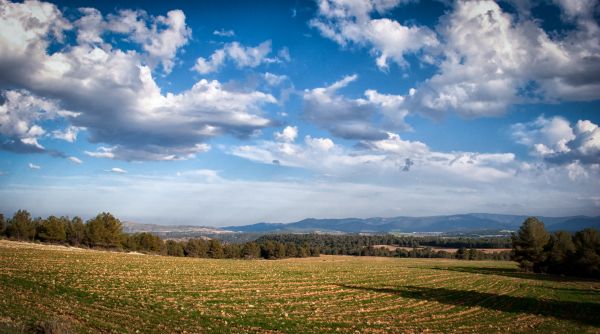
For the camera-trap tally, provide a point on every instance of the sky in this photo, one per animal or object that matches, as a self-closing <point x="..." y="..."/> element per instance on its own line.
<point x="230" y="113"/>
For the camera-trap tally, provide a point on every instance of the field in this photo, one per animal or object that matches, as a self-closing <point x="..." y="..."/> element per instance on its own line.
<point x="94" y="291"/>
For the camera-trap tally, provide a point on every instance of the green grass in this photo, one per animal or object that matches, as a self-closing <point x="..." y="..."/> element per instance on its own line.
<point x="92" y="291"/>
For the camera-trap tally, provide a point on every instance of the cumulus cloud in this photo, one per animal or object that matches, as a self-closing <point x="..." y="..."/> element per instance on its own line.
<point x="354" y="118"/>
<point x="112" y="92"/>
<point x="486" y="58"/>
<point x="491" y="59"/>
<point x="556" y="140"/>
<point x="382" y="158"/>
<point x="350" y="22"/>
<point x="160" y="37"/>
<point x="242" y="56"/>
<point x="288" y="134"/>
<point x="20" y="113"/>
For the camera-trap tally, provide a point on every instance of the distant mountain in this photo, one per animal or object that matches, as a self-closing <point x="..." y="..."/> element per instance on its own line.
<point x="132" y="227"/>
<point x="451" y="223"/>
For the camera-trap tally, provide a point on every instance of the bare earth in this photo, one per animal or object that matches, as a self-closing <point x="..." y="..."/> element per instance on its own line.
<point x="87" y="291"/>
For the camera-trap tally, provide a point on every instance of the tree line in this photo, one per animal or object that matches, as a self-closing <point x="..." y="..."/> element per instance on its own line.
<point x="558" y="253"/>
<point x="365" y="245"/>
<point x="106" y="232"/>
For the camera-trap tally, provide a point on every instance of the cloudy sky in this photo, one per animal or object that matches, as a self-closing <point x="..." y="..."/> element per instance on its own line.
<point x="236" y="113"/>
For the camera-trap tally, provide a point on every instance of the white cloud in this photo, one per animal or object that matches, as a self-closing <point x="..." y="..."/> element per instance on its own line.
<point x="69" y="134"/>
<point x="348" y="22"/>
<point x="18" y="117"/>
<point x="274" y="79"/>
<point x="213" y="64"/>
<point x="34" y="166"/>
<point x="354" y="118"/>
<point x="224" y="33"/>
<point x="113" y="93"/>
<point x="75" y="160"/>
<point x="102" y="152"/>
<point x="491" y="59"/>
<point x="90" y="26"/>
<point x="116" y="170"/>
<point x="320" y="144"/>
<point x="242" y="56"/>
<point x="576" y="171"/>
<point x="486" y="58"/>
<point x="383" y="160"/>
<point x="121" y="152"/>
<point x="557" y="141"/>
<point x="161" y="39"/>
<point x="288" y="134"/>
<point x="552" y="133"/>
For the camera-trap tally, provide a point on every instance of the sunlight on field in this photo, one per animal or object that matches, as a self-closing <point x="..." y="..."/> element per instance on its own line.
<point x="94" y="291"/>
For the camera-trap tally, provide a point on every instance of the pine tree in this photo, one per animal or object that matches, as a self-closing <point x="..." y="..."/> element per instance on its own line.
<point x="529" y="243"/>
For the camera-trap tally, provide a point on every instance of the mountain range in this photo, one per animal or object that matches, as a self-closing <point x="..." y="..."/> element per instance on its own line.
<point x="472" y="222"/>
<point x="449" y="223"/>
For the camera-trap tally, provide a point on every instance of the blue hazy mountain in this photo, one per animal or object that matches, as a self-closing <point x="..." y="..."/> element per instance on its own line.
<point x="449" y="223"/>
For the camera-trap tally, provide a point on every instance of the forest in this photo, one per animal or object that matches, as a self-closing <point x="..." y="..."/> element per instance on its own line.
<point x="106" y="232"/>
<point x="558" y="253"/>
<point x="420" y="247"/>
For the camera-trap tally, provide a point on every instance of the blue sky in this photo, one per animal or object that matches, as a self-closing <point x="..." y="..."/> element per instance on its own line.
<point x="234" y="113"/>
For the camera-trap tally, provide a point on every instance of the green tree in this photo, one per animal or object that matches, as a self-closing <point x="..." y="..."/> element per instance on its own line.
<point x="303" y="251"/>
<point x="560" y="251"/>
<point x="315" y="251"/>
<point x="587" y="256"/>
<point x="196" y="248"/>
<point x="2" y="225"/>
<point x="104" y="231"/>
<point x="174" y="248"/>
<point x="528" y="245"/>
<point x="280" y="250"/>
<point x="473" y="254"/>
<point x="148" y="242"/>
<point x="250" y="250"/>
<point x="232" y="251"/>
<point x="75" y="231"/>
<point x="21" y="226"/>
<point x="215" y="250"/>
<point x="461" y="253"/>
<point x="52" y="229"/>
<point x="291" y="250"/>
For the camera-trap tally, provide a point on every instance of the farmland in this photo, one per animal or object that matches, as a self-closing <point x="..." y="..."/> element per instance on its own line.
<point x="95" y="291"/>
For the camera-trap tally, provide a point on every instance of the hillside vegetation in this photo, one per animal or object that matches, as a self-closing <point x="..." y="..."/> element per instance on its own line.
<point x="77" y="290"/>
